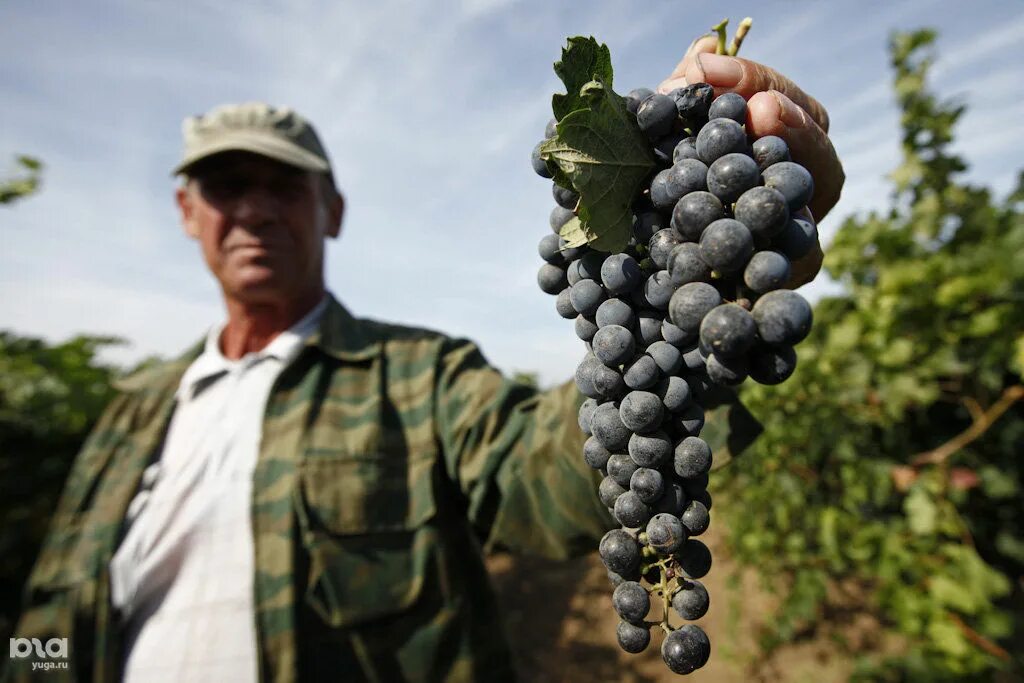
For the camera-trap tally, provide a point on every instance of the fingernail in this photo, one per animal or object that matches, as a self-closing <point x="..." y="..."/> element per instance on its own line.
<point x="789" y="113"/>
<point x="719" y="70"/>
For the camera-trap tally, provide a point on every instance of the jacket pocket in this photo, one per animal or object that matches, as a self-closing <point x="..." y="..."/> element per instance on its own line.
<point x="365" y="526"/>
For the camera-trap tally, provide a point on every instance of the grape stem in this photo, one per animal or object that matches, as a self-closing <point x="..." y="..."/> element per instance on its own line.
<point x="665" y="625"/>
<point x="737" y="39"/>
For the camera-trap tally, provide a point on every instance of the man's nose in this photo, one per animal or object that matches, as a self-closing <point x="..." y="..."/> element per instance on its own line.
<point x="256" y="205"/>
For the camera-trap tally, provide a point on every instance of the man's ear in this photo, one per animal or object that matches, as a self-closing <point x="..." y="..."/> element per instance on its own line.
<point x="186" y="211"/>
<point x="336" y="211"/>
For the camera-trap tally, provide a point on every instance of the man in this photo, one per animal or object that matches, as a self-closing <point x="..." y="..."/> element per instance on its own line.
<point x="306" y="495"/>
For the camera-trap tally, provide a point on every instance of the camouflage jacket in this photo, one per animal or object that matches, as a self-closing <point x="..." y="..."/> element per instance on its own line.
<point x="392" y="458"/>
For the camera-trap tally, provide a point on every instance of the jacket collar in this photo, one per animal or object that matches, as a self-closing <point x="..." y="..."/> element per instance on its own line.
<point x="339" y="335"/>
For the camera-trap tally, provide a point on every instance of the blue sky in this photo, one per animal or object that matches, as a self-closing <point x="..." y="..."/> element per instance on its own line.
<point x="430" y="111"/>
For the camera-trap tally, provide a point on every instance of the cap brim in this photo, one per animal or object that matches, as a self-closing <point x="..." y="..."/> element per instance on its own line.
<point x="258" y="143"/>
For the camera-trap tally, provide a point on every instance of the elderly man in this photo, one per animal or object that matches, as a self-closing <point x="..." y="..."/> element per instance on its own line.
<point x="307" y="495"/>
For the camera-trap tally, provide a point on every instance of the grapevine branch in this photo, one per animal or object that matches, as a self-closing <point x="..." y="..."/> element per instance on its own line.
<point x="981" y="421"/>
<point x="979" y="640"/>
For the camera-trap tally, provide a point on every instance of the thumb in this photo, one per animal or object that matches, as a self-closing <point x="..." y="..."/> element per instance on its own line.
<point x="677" y="79"/>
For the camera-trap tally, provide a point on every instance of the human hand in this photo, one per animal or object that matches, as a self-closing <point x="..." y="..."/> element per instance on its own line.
<point x="775" y="106"/>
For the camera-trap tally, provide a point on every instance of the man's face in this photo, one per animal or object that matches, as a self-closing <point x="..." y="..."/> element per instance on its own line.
<point x="261" y="225"/>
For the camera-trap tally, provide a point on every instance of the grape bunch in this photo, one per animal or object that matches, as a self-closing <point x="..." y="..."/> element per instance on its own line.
<point x="696" y="301"/>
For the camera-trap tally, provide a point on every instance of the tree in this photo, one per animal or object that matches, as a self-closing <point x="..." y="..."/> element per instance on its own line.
<point x="887" y="482"/>
<point x="24" y="184"/>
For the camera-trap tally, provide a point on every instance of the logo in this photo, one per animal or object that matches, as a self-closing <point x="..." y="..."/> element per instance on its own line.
<point x="53" y="649"/>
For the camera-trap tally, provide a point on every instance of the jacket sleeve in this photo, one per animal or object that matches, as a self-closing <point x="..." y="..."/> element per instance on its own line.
<point x="50" y="595"/>
<point x="516" y="454"/>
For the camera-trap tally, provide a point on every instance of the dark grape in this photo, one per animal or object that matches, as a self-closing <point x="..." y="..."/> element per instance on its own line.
<point x="690" y="303"/>
<point x="763" y="210"/>
<point x="621" y="468"/>
<point x="647" y="484"/>
<point x="615" y="312"/>
<point x="665" y="533"/>
<point x="586" y="296"/>
<point x="766" y="271"/>
<point x="649" y="326"/>
<point x="728" y="331"/>
<point x="662" y="244"/>
<point x="673" y="501"/>
<point x="695" y="518"/>
<point x="608" y="428"/>
<point x="665" y="147"/>
<point x="693" y="101"/>
<point x="551" y="129"/>
<point x="608" y="382"/>
<point x="658" y="290"/>
<point x="589" y="265"/>
<point x="631" y="602"/>
<point x="563" y="304"/>
<point x="783" y="317"/>
<point x="695" y="212"/>
<point x="690" y="421"/>
<point x="569" y="253"/>
<point x="549" y="249"/>
<point x="668" y="357"/>
<point x="695" y="559"/>
<point x="620" y="273"/>
<point x="797" y="238"/>
<point x="635" y="97"/>
<point x="692" y="457"/>
<point x="792" y="180"/>
<point x="726" y="245"/>
<point x="727" y="371"/>
<point x="565" y="198"/>
<point x="609" y="490"/>
<point x="650" y="450"/>
<point x="632" y="512"/>
<point x="632" y="638"/>
<point x="619" y="551"/>
<point x="559" y="217"/>
<point x="694" y="360"/>
<point x="772" y="365"/>
<point x="642" y="373"/>
<point x="674" y="393"/>
<point x="731" y="175"/>
<point x="641" y="411"/>
<point x="686" y="649"/>
<point x="594" y="454"/>
<point x="656" y="115"/>
<point x="551" y="279"/>
<point x="691" y="601"/>
<point x="587" y="409"/>
<point x="614" y="345"/>
<point x="685" y="149"/>
<point x="674" y="336"/>
<point x="720" y="137"/>
<point x="695" y="486"/>
<point x="770" y="150"/>
<point x="586" y="328"/>
<point x="685" y="265"/>
<point x="585" y="377"/>
<point x="729" y="106"/>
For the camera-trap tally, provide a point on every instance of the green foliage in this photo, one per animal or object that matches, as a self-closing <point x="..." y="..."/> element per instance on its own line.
<point x="599" y="150"/>
<point x="24" y="184"/>
<point x="50" y="396"/>
<point x="890" y="462"/>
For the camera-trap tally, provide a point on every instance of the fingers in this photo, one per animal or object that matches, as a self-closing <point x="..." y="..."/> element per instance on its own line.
<point x="772" y="113"/>
<point x="705" y="43"/>
<point x="733" y="74"/>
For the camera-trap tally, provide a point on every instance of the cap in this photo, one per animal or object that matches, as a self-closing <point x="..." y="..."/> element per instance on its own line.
<point x="277" y="133"/>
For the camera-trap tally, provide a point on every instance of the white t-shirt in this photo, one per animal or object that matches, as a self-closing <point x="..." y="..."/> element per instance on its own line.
<point x="182" y="577"/>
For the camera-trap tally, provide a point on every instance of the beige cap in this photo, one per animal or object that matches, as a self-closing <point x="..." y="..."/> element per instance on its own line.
<point x="278" y="133"/>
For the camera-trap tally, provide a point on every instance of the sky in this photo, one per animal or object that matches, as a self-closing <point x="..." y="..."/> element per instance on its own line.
<point x="430" y="111"/>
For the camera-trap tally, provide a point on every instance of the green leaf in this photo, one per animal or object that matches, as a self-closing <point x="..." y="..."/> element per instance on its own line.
<point x="921" y="512"/>
<point x="583" y="60"/>
<point x="606" y="157"/>
<point x="573" y="234"/>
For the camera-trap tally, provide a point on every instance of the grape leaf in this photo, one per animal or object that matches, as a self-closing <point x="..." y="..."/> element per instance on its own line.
<point x="584" y="60"/>
<point x="601" y="150"/>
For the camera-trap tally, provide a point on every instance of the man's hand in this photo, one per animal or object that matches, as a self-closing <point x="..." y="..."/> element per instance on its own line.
<point x="775" y="106"/>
